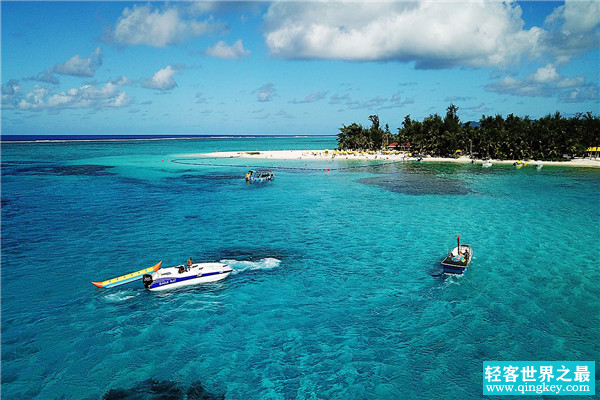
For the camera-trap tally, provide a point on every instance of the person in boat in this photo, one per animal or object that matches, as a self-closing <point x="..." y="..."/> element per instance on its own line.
<point x="189" y="263"/>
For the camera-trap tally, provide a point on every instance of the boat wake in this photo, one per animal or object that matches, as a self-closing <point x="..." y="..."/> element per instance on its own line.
<point x="241" y="266"/>
<point x="117" y="297"/>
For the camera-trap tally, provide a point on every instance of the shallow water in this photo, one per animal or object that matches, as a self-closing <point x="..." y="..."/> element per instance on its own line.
<point x="336" y="291"/>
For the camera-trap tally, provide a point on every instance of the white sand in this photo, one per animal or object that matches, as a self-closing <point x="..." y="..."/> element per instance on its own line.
<point x="320" y="155"/>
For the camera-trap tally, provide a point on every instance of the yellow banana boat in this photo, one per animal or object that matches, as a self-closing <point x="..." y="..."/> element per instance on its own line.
<point x="131" y="277"/>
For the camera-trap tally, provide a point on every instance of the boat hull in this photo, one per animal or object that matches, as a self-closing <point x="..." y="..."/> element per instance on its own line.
<point x="454" y="270"/>
<point x="171" y="278"/>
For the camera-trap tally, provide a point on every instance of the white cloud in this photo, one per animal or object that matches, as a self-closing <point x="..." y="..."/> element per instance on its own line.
<point x="122" y="81"/>
<point x="339" y="99"/>
<point x="547" y="82"/>
<point x="86" y="96"/>
<point x="574" y="29"/>
<point x="45" y="76"/>
<point x="265" y="92"/>
<point x="10" y="93"/>
<point x="79" y="66"/>
<point x="432" y="34"/>
<point x="144" y="24"/>
<point x="283" y="114"/>
<point x="398" y="101"/>
<point x="575" y="17"/>
<point x="74" y="66"/>
<point x="581" y="94"/>
<point x="311" y="98"/>
<point x="233" y="52"/>
<point x="375" y="103"/>
<point x="545" y="75"/>
<point x="162" y="79"/>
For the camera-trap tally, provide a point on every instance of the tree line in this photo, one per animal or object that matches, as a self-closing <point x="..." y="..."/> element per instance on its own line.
<point x="551" y="137"/>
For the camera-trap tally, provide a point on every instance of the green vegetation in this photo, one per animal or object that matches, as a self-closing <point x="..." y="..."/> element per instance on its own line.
<point x="549" y="138"/>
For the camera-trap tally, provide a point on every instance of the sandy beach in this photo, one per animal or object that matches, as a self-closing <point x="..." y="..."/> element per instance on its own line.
<point x="373" y="156"/>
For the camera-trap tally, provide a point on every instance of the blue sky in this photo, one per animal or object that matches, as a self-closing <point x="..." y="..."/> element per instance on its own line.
<point x="289" y="67"/>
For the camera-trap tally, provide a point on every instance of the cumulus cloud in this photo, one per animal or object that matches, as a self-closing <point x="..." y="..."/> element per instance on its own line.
<point x="74" y="66"/>
<point x="397" y="101"/>
<point x="580" y="94"/>
<point x="454" y="99"/>
<point x="578" y="16"/>
<point x="87" y="96"/>
<point x="79" y="66"/>
<point x="374" y="103"/>
<point x="339" y="99"/>
<point x="547" y="82"/>
<point x="10" y="92"/>
<point x="311" y="98"/>
<point x="545" y="74"/>
<point x="431" y="34"/>
<point x="284" y="114"/>
<point x="147" y="25"/>
<point x="162" y="79"/>
<point x="574" y="29"/>
<point x="46" y="77"/>
<point x="233" y="52"/>
<point x="265" y="92"/>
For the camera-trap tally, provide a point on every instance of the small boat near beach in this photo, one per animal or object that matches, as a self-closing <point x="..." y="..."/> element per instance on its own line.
<point x="458" y="260"/>
<point x="486" y="164"/>
<point x="259" y="176"/>
<point x="181" y="275"/>
<point x="519" y="164"/>
<point x="539" y="165"/>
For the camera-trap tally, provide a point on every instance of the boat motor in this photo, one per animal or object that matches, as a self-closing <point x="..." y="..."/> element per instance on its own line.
<point x="147" y="280"/>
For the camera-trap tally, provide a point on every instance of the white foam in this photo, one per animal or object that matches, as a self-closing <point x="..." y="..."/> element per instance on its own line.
<point x="120" y="296"/>
<point x="240" y="266"/>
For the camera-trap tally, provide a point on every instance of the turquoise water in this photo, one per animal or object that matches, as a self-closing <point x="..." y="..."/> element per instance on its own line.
<point x="336" y="291"/>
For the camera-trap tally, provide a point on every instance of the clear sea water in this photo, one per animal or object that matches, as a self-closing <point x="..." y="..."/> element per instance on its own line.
<point x="336" y="291"/>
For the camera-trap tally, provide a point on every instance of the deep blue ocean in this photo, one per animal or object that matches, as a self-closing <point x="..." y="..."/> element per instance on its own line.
<point x="336" y="291"/>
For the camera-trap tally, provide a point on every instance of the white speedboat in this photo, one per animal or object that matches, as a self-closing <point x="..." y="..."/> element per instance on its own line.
<point x="486" y="164"/>
<point x="181" y="275"/>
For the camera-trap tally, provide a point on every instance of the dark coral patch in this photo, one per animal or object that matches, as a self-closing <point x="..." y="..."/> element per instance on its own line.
<point x="151" y="389"/>
<point x="418" y="185"/>
<point x="57" y="170"/>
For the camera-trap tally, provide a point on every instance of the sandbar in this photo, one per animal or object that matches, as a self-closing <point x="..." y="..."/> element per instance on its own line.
<point x="374" y="156"/>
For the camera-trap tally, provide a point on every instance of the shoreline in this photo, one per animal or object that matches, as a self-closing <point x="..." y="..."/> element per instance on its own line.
<point x="333" y="155"/>
<point x="8" y="139"/>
